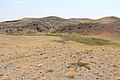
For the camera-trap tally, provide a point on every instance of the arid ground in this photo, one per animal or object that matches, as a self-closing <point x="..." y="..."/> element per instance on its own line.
<point x="53" y="58"/>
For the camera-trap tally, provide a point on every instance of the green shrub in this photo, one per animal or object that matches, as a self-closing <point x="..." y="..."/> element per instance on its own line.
<point x="84" y="40"/>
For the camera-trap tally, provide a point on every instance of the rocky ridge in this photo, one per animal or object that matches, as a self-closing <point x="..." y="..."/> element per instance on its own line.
<point x="56" y="24"/>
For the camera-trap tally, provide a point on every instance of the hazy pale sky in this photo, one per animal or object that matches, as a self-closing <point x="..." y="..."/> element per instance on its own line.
<point x="15" y="9"/>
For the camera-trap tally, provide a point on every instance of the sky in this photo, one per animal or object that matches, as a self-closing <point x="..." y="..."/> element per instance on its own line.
<point x="16" y="9"/>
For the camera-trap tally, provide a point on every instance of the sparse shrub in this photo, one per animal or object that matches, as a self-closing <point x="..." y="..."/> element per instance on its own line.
<point x="80" y="64"/>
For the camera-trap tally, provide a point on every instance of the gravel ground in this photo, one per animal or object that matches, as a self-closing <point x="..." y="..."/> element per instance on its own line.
<point x="52" y="58"/>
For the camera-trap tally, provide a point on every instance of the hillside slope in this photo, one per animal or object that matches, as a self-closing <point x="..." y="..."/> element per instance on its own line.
<point x="56" y="24"/>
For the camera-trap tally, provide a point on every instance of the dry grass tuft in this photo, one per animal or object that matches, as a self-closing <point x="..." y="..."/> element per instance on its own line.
<point x="6" y="78"/>
<point x="49" y="70"/>
<point x="39" y="65"/>
<point x="71" y="74"/>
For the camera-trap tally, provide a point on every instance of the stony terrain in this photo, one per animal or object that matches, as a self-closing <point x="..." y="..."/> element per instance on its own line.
<point x="52" y="58"/>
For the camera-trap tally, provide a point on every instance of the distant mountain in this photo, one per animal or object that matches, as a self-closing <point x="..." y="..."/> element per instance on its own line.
<point x="56" y="24"/>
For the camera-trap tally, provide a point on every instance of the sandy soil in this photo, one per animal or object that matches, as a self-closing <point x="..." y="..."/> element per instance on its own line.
<point x="52" y="58"/>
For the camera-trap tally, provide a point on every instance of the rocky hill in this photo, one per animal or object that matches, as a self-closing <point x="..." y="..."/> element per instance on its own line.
<point x="56" y="24"/>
